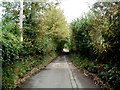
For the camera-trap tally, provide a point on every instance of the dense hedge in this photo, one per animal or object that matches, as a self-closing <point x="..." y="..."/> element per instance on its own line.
<point x="96" y="36"/>
<point x="44" y="30"/>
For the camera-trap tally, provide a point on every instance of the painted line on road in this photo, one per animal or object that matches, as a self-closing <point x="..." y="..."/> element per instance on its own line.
<point x="74" y="85"/>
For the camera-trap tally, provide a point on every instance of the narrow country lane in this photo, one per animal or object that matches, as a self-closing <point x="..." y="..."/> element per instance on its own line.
<point x="59" y="74"/>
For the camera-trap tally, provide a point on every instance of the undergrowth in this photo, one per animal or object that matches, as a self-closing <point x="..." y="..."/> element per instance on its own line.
<point x="11" y="74"/>
<point x="106" y="71"/>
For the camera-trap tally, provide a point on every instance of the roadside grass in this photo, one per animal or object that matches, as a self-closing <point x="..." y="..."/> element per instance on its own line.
<point x="83" y="62"/>
<point x="13" y="73"/>
<point x="107" y="72"/>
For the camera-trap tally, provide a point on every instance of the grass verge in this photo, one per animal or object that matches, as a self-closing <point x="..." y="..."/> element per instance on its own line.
<point x="105" y="75"/>
<point x="19" y="71"/>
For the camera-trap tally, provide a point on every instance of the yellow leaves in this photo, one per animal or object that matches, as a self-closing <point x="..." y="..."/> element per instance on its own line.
<point x="53" y="23"/>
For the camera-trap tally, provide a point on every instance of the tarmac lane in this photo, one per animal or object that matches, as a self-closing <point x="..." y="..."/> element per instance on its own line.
<point x="60" y="73"/>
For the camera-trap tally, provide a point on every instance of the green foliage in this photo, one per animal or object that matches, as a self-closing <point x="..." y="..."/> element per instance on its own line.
<point x="44" y="28"/>
<point x="11" y="74"/>
<point x="105" y="71"/>
<point x="44" y="33"/>
<point x="80" y="38"/>
<point x="11" y="45"/>
<point x="96" y="36"/>
<point x="53" y="28"/>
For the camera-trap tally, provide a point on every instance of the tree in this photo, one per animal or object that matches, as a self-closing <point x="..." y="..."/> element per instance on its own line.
<point x="53" y="26"/>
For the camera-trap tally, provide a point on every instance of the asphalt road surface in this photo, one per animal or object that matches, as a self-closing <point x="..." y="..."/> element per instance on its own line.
<point x="60" y="73"/>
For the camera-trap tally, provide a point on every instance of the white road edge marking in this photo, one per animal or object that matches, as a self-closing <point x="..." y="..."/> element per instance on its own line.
<point x="71" y="75"/>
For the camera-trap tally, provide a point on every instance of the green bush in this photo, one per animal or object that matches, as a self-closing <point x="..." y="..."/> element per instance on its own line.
<point x="11" y="47"/>
<point x="44" y="32"/>
<point x="95" y="37"/>
<point x="104" y="71"/>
